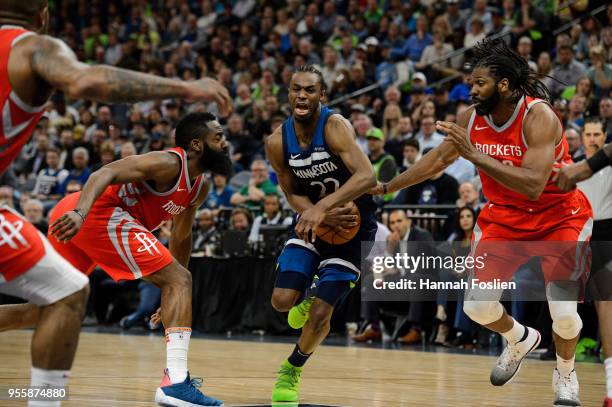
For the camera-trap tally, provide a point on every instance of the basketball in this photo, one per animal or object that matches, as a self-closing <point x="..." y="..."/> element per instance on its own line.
<point x="331" y="236"/>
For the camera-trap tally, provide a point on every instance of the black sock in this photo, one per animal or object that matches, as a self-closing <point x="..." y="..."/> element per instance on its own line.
<point x="524" y="335"/>
<point x="298" y="358"/>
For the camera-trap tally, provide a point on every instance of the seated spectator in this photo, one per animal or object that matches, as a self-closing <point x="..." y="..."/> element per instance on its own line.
<point x="468" y="197"/>
<point x="428" y="137"/>
<point x="127" y="149"/>
<point x="383" y="163"/>
<point x="37" y="159"/>
<point x="605" y="113"/>
<point x="524" y="49"/>
<point x="241" y="219"/>
<point x="258" y="187"/>
<point x="576" y="110"/>
<point x="271" y="215"/>
<point x="33" y="211"/>
<point x="244" y="145"/>
<point x="416" y="43"/>
<point x="567" y="71"/>
<point x="464" y="229"/>
<point x="601" y="72"/>
<point x="461" y="91"/>
<point x="205" y="235"/>
<point x="476" y="33"/>
<point x="411" y="154"/>
<point x="574" y="142"/>
<point x="49" y="180"/>
<point x="402" y="231"/>
<point x="440" y="189"/>
<point x="80" y="172"/>
<point x="107" y="155"/>
<point x="220" y="193"/>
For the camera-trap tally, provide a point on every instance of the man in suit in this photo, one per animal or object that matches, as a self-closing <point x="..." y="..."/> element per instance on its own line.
<point x="402" y="232"/>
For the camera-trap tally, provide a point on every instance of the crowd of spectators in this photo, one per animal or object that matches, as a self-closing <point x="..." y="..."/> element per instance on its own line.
<point x="410" y="55"/>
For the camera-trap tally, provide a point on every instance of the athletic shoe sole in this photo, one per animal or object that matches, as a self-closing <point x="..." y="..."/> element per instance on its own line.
<point x="163" y="400"/>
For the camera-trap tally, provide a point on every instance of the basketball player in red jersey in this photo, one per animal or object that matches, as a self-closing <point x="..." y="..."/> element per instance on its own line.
<point x="32" y="65"/>
<point x="516" y="140"/>
<point x="109" y="224"/>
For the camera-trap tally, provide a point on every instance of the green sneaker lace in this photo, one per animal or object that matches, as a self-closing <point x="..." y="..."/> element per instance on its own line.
<point x="288" y="375"/>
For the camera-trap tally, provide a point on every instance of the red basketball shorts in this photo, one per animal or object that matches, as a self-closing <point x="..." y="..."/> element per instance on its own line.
<point x="506" y="238"/>
<point x="113" y="239"/>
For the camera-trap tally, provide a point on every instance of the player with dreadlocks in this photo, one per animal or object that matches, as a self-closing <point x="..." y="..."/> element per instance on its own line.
<point x="516" y="140"/>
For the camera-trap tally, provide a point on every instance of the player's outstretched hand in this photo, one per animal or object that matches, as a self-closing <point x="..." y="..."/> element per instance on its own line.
<point x="459" y="137"/>
<point x="569" y="175"/>
<point x="209" y="90"/>
<point x="66" y="226"/>
<point x="308" y="222"/>
<point x="340" y="218"/>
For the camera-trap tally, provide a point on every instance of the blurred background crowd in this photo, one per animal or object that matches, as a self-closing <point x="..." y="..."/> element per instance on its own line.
<point x="391" y="67"/>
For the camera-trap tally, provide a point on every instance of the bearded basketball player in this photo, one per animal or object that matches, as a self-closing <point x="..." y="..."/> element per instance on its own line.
<point x="32" y="65"/>
<point x="516" y="140"/>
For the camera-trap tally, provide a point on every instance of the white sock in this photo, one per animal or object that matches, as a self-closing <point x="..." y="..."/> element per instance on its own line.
<point x="515" y="333"/>
<point x="177" y="346"/>
<point x="608" y="366"/>
<point x="564" y="366"/>
<point x="44" y="377"/>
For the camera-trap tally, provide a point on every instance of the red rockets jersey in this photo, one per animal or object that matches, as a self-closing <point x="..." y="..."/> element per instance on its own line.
<point x="17" y="117"/>
<point x="150" y="207"/>
<point x="508" y="145"/>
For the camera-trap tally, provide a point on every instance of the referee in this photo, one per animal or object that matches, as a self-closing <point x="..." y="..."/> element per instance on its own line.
<point x="593" y="176"/>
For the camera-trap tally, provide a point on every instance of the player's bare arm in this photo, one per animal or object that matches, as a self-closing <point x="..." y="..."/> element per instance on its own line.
<point x="181" y="235"/>
<point x="56" y="65"/>
<point x="160" y="166"/>
<point x="340" y="138"/>
<point x="299" y="203"/>
<point x="429" y="165"/>
<point x="542" y="130"/>
<point x="570" y="175"/>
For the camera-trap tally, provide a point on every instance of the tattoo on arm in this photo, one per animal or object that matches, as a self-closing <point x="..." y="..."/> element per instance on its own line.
<point x="57" y="65"/>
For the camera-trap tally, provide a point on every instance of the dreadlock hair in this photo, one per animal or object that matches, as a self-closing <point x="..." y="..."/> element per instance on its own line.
<point x="314" y="70"/>
<point x="503" y="62"/>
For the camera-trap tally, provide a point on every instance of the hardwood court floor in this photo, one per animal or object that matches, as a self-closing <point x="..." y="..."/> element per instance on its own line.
<point x="124" y="370"/>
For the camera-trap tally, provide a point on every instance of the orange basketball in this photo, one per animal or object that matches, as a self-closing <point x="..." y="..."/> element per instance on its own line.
<point x="331" y="236"/>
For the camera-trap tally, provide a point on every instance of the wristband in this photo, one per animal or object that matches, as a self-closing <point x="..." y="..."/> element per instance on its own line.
<point x="599" y="161"/>
<point x="78" y="212"/>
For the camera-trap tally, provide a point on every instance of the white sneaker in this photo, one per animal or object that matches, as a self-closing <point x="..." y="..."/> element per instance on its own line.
<point x="566" y="389"/>
<point x="509" y="362"/>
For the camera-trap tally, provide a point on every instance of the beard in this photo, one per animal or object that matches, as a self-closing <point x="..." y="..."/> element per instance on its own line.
<point x="486" y="106"/>
<point x="217" y="162"/>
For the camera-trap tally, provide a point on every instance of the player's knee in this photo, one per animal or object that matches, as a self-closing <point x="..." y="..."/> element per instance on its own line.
<point x="567" y="326"/>
<point x="281" y="301"/>
<point x="77" y="301"/>
<point x="483" y="312"/>
<point x="320" y="316"/>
